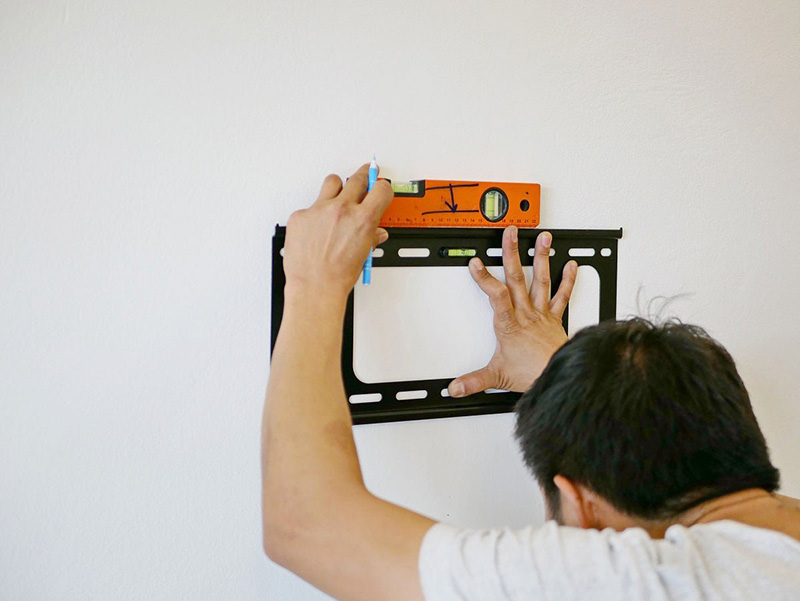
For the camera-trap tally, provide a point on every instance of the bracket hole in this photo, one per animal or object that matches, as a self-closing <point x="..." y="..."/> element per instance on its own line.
<point x="445" y="393"/>
<point x="581" y="252"/>
<point x="377" y="253"/>
<point x="369" y="397"/>
<point x="494" y="390"/>
<point x="410" y="395"/>
<point x="494" y="252"/>
<point x="282" y="252"/>
<point x="532" y="251"/>
<point x="410" y="253"/>
<point x="606" y="252"/>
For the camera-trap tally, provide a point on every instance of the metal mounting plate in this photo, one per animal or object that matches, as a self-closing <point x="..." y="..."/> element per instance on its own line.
<point x="601" y="245"/>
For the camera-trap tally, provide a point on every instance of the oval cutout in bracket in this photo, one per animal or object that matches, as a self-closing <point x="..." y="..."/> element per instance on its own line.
<point x="581" y="252"/>
<point x="411" y="395"/>
<point x="413" y="253"/>
<point x="369" y="397"/>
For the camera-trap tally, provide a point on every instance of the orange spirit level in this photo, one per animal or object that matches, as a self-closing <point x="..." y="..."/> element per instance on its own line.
<point x="440" y="203"/>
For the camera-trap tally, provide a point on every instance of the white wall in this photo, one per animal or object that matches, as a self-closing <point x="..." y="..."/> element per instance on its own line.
<point x="148" y="148"/>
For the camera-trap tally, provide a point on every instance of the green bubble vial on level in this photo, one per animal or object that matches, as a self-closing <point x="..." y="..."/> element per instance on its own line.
<point x="405" y="187"/>
<point x="494" y="204"/>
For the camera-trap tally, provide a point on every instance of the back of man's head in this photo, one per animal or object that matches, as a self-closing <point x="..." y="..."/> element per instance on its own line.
<point x="655" y="419"/>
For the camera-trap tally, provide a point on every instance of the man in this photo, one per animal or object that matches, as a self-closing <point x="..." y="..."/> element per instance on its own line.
<point x="641" y="437"/>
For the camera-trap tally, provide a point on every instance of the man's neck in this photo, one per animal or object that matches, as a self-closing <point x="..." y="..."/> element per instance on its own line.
<point x="725" y="507"/>
<point x="754" y="507"/>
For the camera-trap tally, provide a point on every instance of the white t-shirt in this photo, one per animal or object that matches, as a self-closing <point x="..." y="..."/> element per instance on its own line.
<point x="715" y="561"/>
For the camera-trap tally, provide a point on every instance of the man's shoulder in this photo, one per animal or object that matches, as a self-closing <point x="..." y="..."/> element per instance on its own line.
<point x="531" y="561"/>
<point x="731" y="533"/>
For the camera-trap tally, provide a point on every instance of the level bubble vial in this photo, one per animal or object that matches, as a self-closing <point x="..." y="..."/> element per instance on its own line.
<point x="494" y="204"/>
<point x="405" y="187"/>
<point x="458" y="252"/>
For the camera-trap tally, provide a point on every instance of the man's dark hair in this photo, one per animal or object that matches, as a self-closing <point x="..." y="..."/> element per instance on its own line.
<point x="654" y="418"/>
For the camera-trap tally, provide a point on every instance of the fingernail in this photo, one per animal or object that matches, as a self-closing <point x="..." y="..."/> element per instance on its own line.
<point x="546" y="238"/>
<point x="514" y="233"/>
<point x="457" y="389"/>
<point x="383" y="237"/>
<point x="475" y="264"/>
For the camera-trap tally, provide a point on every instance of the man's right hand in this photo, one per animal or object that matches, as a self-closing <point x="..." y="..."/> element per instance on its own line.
<point x="527" y="325"/>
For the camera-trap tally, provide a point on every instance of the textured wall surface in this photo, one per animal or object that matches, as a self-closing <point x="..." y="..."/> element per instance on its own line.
<point x="148" y="148"/>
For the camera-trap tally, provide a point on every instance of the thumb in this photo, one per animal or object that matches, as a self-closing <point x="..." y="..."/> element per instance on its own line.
<point x="475" y="381"/>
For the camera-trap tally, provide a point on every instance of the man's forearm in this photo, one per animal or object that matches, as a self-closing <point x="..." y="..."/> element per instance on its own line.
<point x="308" y="454"/>
<point x="319" y="519"/>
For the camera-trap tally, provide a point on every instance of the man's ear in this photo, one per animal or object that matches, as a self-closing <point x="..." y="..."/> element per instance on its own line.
<point x="577" y="506"/>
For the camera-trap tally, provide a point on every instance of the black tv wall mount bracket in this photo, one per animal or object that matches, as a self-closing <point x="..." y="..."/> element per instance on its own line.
<point x="452" y="247"/>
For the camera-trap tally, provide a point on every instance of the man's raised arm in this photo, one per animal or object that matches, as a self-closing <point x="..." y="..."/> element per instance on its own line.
<point x="319" y="519"/>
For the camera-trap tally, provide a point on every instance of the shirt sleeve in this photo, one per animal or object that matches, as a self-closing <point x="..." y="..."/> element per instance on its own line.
<point x="550" y="563"/>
